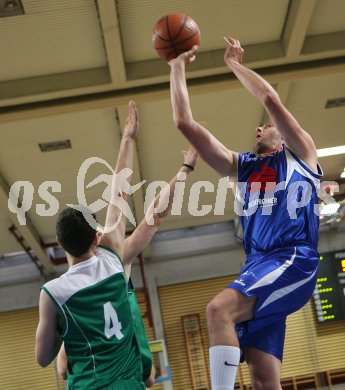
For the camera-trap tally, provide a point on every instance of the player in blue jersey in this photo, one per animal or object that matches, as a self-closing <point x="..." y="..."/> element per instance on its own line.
<point x="276" y="199"/>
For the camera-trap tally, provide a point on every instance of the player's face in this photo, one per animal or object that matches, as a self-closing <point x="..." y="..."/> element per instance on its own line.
<point x="267" y="139"/>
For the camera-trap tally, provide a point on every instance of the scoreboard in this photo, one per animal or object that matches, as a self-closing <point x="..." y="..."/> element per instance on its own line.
<point x="329" y="294"/>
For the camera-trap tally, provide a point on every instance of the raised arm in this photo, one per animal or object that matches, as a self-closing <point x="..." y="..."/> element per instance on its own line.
<point x="221" y="159"/>
<point x="295" y="138"/>
<point x="143" y="234"/>
<point x="115" y="222"/>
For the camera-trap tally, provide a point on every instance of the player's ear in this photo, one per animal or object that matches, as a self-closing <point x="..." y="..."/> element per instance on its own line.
<point x="97" y="237"/>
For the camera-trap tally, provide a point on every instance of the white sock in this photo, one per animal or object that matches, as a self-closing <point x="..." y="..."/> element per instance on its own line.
<point x="224" y="361"/>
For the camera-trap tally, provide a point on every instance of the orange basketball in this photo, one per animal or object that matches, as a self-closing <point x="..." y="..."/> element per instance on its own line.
<point x="174" y="34"/>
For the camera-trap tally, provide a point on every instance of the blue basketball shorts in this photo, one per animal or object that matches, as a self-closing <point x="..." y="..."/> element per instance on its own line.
<point x="283" y="280"/>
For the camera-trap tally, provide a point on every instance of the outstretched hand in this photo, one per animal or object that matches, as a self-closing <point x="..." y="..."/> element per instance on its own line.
<point x="190" y="156"/>
<point x="187" y="57"/>
<point x="233" y="51"/>
<point x="132" y="122"/>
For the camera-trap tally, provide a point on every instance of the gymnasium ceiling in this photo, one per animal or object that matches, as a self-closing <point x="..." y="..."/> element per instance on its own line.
<point x="69" y="68"/>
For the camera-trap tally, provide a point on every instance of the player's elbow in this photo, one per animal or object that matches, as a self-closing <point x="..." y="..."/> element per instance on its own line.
<point x="158" y="218"/>
<point x="159" y="212"/>
<point x="271" y="98"/>
<point x="150" y="382"/>
<point x="42" y="357"/>
<point x="183" y="123"/>
<point x="42" y="360"/>
<point x="180" y="121"/>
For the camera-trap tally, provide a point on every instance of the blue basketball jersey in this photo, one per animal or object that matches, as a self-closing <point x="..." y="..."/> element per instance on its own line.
<point x="276" y="199"/>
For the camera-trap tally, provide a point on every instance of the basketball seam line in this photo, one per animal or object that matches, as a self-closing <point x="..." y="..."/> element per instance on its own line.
<point x="181" y="27"/>
<point x="178" y="33"/>
<point x="171" y="39"/>
<point x="184" y="41"/>
<point x="163" y="39"/>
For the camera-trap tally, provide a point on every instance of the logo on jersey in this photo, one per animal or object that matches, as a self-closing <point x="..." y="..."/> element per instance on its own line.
<point x="259" y="190"/>
<point x="264" y="180"/>
<point x="241" y="282"/>
<point x="239" y="331"/>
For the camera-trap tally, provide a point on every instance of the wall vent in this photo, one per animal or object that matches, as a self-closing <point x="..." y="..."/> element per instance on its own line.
<point x="55" y="145"/>
<point x="337" y="102"/>
<point x="11" y="8"/>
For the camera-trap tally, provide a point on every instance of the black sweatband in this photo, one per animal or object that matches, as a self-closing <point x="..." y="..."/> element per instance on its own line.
<point x="189" y="166"/>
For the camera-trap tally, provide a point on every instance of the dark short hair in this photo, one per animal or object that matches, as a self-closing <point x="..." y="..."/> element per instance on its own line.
<point x="73" y="232"/>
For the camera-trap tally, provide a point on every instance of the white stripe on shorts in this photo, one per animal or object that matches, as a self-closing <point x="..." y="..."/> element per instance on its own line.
<point x="274" y="275"/>
<point x="285" y="290"/>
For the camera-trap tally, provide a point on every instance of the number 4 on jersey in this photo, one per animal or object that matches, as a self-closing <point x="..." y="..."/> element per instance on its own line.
<point x="112" y="326"/>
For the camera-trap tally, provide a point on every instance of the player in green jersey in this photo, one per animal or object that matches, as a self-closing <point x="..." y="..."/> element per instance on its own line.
<point x="134" y="244"/>
<point x="89" y="305"/>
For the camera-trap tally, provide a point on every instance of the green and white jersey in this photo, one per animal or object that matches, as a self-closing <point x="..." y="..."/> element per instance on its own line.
<point x="140" y="333"/>
<point x="96" y="323"/>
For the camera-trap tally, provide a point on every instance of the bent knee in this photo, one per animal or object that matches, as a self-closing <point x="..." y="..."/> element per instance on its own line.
<point x="265" y="384"/>
<point x="230" y="305"/>
<point x="265" y="378"/>
<point x="217" y="308"/>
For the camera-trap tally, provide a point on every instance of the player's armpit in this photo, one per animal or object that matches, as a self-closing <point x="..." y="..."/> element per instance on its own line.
<point x="295" y="138"/>
<point x="110" y="242"/>
<point x="210" y="149"/>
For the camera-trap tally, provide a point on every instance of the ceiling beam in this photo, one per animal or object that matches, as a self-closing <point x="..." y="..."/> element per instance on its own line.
<point x="296" y="27"/>
<point x="330" y="43"/>
<point x="17" y="90"/>
<point x="27" y="231"/>
<point x="152" y="74"/>
<point x="112" y="40"/>
<point x="139" y="74"/>
<point x="274" y="75"/>
<point x="207" y="61"/>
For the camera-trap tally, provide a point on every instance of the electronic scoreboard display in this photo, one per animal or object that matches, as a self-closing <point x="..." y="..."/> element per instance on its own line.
<point x="329" y="295"/>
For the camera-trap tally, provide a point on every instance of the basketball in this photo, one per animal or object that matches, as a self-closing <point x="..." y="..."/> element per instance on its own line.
<point x="174" y="34"/>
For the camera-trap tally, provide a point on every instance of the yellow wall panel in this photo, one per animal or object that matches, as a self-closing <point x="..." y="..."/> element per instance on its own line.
<point x="309" y="347"/>
<point x="299" y="352"/>
<point x="177" y="301"/>
<point x="143" y="305"/>
<point x="330" y="344"/>
<point x="18" y="366"/>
